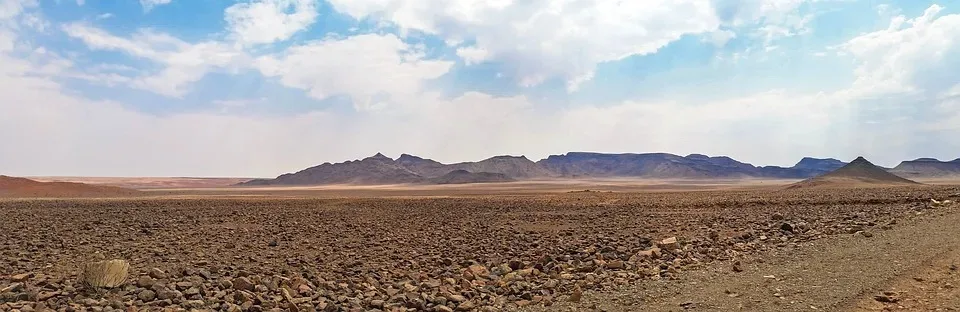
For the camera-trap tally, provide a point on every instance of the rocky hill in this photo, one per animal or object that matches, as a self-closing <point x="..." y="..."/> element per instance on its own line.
<point x="516" y="167"/>
<point x="664" y="165"/>
<point x="376" y="169"/>
<point x="653" y="165"/>
<point x="927" y="168"/>
<point x="379" y="169"/>
<point x="858" y="172"/>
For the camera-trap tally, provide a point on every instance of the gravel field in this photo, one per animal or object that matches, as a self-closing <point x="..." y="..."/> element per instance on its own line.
<point x="475" y="253"/>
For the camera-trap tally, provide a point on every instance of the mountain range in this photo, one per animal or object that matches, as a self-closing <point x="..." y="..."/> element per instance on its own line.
<point x="407" y="169"/>
<point x="858" y="172"/>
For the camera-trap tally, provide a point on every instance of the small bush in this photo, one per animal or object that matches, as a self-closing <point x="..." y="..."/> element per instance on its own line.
<point x="105" y="274"/>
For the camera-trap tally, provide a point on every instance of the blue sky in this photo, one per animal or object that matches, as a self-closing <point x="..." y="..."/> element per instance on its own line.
<point x="257" y="88"/>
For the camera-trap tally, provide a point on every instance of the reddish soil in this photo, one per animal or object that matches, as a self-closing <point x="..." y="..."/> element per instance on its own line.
<point x="466" y="253"/>
<point x="26" y="188"/>
<point x="148" y="182"/>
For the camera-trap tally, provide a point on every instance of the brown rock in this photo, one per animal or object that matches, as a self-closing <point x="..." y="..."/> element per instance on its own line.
<point x="650" y="253"/>
<point x="157" y="273"/>
<point x="576" y="295"/>
<point x="885" y="298"/>
<point x="456" y="298"/>
<point x="21" y="277"/>
<point x="243" y="283"/>
<point x="615" y="265"/>
<point x="466" y="306"/>
<point x="145" y="281"/>
<point x="670" y="243"/>
<point x="147" y="295"/>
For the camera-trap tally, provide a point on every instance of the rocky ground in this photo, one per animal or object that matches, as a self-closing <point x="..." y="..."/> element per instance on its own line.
<point x="484" y="253"/>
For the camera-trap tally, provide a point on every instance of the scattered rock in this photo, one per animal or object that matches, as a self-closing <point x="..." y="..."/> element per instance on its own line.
<point x="21" y="277"/>
<point x="786" y="227"/>
<point x="11" y="288"/>
<point x="145" y="282"/>
<point x="407" y="270"/>
<point x="650" y="253"/>
<point x="576" y="294"/>
<point x="670" y="243"/>
<point x="886" y="298"/>
<point x="147" y="295"/>
<point x="157" y="273"/>
<point x="243" y="283"/>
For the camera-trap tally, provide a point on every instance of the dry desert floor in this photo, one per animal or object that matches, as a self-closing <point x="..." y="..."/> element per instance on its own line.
<point x="669" y="247"/>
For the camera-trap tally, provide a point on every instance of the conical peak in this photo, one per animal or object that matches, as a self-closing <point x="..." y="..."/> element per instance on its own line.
<point x="379" y="156"/>
<point x="862" y="160"/>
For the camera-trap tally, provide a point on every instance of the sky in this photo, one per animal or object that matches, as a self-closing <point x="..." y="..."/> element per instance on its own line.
<point x="263" y="87"/>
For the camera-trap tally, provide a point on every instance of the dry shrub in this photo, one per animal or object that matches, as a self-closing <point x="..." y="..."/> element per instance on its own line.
<point x="105" y="274"/>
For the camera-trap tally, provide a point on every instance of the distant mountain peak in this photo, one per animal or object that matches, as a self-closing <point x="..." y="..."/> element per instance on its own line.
<point x="408" y="156"/>
<point x="379" y="156"/>
<point x="819" y="163"/>
<point x="926" y="159"/>
<point x="860" y="171"/>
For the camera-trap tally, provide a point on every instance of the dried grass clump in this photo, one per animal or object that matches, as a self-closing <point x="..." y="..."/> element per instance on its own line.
<point x="105" y="274"/>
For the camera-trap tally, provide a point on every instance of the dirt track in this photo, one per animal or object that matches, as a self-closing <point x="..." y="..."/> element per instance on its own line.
<point x="911" y="265"/>
<point x="485" y="253"/>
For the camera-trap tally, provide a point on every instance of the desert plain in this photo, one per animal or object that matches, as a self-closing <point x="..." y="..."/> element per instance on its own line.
<point x="597" y="245"/>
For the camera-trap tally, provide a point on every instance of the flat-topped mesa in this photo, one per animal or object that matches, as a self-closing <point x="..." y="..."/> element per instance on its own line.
<point x="810" y="162"/>
<point x="928" y="167"/>
<point x="507" y="157"/>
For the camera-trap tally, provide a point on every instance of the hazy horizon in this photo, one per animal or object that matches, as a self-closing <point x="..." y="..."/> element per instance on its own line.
<point x="256" y="89"/>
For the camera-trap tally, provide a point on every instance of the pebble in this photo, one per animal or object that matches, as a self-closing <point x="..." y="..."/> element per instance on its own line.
<point x="157" y="273"/>
<point x="147" y="295"/>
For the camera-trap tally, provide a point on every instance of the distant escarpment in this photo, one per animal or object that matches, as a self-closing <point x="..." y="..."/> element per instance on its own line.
<point x="380" y="169"/>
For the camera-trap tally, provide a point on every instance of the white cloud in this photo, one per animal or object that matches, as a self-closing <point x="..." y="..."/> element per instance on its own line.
<point x="80" y="2"/>
<point x="183" y="63"/>
<point x="472" y="55"/>
<point x="362" y="66"/>
<point x="720" y="37"/>
<point x="912" y="55"/>
<point x="150" y="4"/>
<point x="104" y="16"/>
<point x="267" y="21"/>
<point x="539" y="40"/>
<point x="567" y="39"/>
